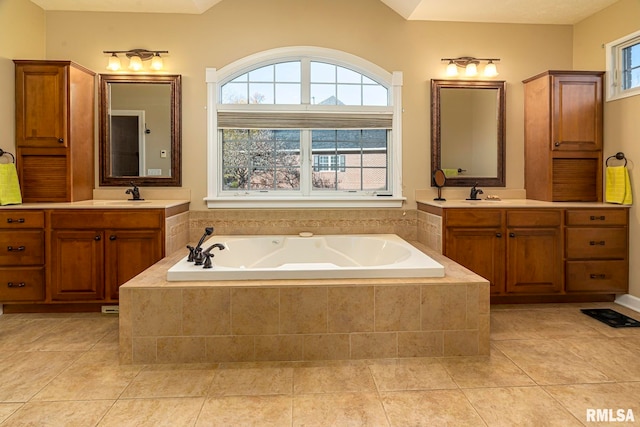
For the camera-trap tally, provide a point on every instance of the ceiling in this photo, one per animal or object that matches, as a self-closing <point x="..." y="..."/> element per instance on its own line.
<point x="506" y="11"/>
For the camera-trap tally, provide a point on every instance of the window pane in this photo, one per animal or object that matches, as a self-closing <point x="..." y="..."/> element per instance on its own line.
<point x="288" y="93"/>
<point x="374" y="95"/>
<point x="261" y="93"/>
<point x="349" y="95"/>
<point x="288" y="72"/>
<point x="264" y="74"/>
<point x="234" y="93"/>
<point x="374" y="179"/>
<point x="324" y="180"/>
<point x="323" y="73"/>
<point x="261" y="159"/>
<point x="323" y="94"/>
<point x="348" y="76"/>
<point x="631" y="66"/>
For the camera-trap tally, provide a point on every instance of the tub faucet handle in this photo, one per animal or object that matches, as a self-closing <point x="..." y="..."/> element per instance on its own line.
<point x="208" y="255"/>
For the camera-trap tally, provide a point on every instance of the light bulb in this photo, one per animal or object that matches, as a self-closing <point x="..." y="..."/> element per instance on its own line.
<point x="490" y="70"/>
<point x="471" y="69"/>
<point x="452" y="69"/>
<point x="156" y="62"/>
<point x="135" y="63"/>
<point x="114" y="63"/>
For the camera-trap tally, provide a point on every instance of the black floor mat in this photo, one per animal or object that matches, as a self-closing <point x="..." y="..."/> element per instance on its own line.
<point x="611" y="317"/>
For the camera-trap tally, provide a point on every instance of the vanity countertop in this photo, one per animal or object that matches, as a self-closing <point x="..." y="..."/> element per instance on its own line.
<point x="104" y="204"/>
<point x="515" y="203"/>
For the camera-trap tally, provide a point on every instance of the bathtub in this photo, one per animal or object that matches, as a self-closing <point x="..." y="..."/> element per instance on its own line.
<point x="306" y="256"/>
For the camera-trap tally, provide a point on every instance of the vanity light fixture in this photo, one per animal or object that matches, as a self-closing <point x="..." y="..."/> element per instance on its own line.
<point x="470" y="65"/>
<point x="136" y="56"/>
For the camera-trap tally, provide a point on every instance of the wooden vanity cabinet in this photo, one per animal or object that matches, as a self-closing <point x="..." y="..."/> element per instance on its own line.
<point x="563" y="136"/>
<point x="22" y="256"/>
<point x="596" y="255"/>
<point x="54" y="130"/>
<point x="94" y="252"/>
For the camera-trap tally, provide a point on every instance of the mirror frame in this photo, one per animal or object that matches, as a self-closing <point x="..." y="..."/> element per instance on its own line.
<point x="175" y="180"/>
<point x="467" y="181"/>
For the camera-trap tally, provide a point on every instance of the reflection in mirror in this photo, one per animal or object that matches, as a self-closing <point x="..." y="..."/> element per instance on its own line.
<point x="467" y="132"/>
<point x="439" y="179"/>
<point x="140" y="138"/>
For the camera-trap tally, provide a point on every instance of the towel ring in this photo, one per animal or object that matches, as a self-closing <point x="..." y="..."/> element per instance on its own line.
<point x="618" y="156"/>
<point x="2" y="153"/>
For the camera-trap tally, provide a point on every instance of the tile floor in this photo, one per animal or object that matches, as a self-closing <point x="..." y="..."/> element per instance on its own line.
<point x="548" y="365"/>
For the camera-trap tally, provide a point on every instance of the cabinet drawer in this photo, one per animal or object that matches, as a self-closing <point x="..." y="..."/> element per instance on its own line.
<point x="92" y="219"/>
<point x="537" y="218"/>
<point x="22" y="247"/>
<point x="473" y="218"/>
<point x="596" y="243"/>
<point x="596" y="276"/>
<point x="22" y="284"/>
<point x="21" y="219"/>
<point x="597" y="217"/>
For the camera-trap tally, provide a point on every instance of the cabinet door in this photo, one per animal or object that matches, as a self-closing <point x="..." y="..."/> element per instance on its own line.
<point x="77" y="265"/>
<point x="41" y="105"/>
<point x="481" y="250"/>
<point x="534" y="260"/>
<point x="128" y="253"/>
<point x="577" y="113"/>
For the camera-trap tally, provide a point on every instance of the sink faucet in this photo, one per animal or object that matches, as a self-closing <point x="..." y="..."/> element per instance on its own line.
<point x="135" y="192"/>
<point x="474" y="192"/>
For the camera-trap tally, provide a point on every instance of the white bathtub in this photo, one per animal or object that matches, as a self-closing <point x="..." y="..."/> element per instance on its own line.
<point x="309" y="257"/>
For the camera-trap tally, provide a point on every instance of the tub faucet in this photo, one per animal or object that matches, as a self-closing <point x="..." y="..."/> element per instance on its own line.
<point x="135" y="192"/>
<point x="195" y="253"/>
<point x="208" y="255"/>
<point x="473" y="195"/>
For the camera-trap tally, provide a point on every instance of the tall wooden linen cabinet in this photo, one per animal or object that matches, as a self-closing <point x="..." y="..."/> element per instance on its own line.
<point x="54" y="130"/>
<point x="563" y="136"/>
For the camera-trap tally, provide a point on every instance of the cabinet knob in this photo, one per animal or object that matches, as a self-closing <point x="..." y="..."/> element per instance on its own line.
<point x="61" y="140"/>
<point x="498" y="235"/>
<point x="512" y="234"/>
<point x="11" y="220"/>
<point x="113" y="237"/>
<point x="97" y="238"/>
<point x="18" y="249"/>
<point x="16" y="285"/>
<point x="557" y="144"/>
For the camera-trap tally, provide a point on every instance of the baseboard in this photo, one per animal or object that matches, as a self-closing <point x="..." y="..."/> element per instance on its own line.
<point x="629" y="301"/>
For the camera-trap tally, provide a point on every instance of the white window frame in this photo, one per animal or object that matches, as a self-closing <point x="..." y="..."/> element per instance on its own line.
<point x="614" y="67"/>
<point x="217" y="198"/>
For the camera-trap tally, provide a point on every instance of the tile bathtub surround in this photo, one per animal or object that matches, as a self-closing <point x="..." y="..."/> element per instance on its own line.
<point x="293" y="221"/>
<point x="280" y="320"/>
<point x="51" y="376"/>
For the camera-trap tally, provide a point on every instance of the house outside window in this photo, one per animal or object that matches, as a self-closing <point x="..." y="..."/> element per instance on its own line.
<point x="299" y="127"/>
<point x="623" y="67"/>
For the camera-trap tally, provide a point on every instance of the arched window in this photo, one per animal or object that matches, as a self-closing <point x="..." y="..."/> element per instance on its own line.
<point x="304" y="127"/>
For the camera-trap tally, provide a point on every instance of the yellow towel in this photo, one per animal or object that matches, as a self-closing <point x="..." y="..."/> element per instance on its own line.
<point x="618" y="185"/>
<point x="9" y="186"/>
<point x="450" y="172"/>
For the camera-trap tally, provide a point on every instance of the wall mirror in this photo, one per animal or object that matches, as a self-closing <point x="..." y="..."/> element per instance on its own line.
<point x="468" y="132"/>
<point x="140" y="130"/>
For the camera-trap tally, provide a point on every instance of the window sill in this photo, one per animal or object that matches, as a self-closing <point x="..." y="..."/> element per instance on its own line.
<point x="315" y="202"/>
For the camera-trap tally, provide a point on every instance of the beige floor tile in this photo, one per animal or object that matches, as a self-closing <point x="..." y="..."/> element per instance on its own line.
<point x="25" y="373"/>
<point x="174" y="412"/>
<point x="431" y="408"/>
<point x="6" y="409"/>
<point x="170" y="383"/>
<point x="252" y="381"/>
<point x="338" y="409"/>
<point x="612" y="356"/>
<point x="410" y="374"/>
<point x="56" y="414"/>
<point x="18" y="334"/>
<point x="519" y="406"/>
<point x="541" y="324"/>
<point x="493" y="371"/>
<point x="550" y="362"/>
<point x="262" y="411"/>
<point x="579" y="398"/>
<point x="331" y="379"/>
<point x="75" y="334"/>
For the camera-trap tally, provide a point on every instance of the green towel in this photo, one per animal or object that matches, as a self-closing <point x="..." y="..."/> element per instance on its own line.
<point x="9" y="186"/>
<point x="450" y="172"/>
<point x="618" y="185"/>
